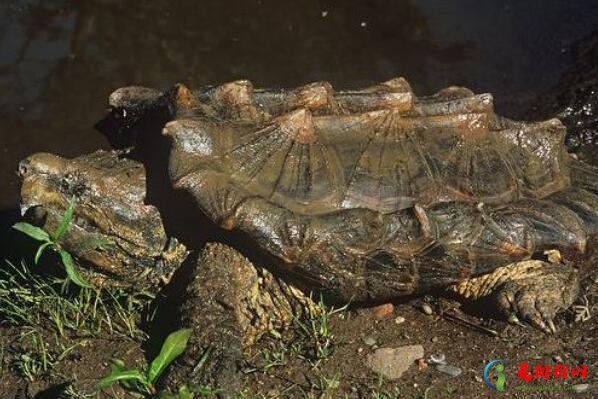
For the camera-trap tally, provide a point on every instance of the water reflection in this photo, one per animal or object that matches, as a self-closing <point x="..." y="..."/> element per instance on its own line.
<point x="52" y="46"/>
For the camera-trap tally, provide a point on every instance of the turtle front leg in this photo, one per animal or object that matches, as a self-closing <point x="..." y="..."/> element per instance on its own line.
<point x="229" y="304"/>
<point x="530" y="291"/>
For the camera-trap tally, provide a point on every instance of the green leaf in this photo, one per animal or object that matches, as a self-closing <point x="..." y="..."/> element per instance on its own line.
<point x="71" y="270"/>
<point x="173" y="346"/>
<point x="32" y="231"/>
<point x="40" y="251"/>
<point x="117" y="365"/>
<point x="65" y="222"/>
<point x="121" y="375"/>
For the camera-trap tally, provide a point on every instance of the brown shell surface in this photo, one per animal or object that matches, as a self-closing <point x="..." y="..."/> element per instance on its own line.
<point x="372" y="194"/>
<point x="313" y="150"/>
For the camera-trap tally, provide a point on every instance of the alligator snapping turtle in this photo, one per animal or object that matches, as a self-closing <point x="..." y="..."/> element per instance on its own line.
<point x="363" y="196"/>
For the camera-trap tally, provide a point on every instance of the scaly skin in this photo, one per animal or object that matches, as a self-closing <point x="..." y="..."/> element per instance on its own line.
<point x="532" y="291"/>
<point x="229" y="304"/>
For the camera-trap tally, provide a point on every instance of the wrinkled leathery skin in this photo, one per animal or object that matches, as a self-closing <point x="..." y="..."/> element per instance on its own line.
<point x="109" y="193"/>
<point x="531" y="291"/>
<point x="229" y="304"/>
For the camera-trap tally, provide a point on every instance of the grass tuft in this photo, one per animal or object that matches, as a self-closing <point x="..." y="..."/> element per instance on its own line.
<point x="54" y="319"/>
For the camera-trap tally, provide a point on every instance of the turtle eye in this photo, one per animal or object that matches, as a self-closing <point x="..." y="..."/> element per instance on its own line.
<point x="24" y="167"/>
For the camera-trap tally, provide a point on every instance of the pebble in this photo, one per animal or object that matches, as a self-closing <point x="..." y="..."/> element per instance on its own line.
<point x="427" y="309"/>
<point x="453" y="371"/>
<point x="393" y="362"/>
<point x="399" y="319"/>
<point x="369" y="341"/>
<point x="557" y="359"/>
<point x="383" y="311"/>
<point x="434" y="339"/>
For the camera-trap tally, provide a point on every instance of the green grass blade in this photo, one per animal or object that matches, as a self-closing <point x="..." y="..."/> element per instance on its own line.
<point x="121" y="375"/>
<point x="65" y="222"/>
<point x="71" y="270"/>
<point x="117" y="365"/>
<point x="40" y="251"/>
<point x="173" y="346"/>
<point x="32" y="231"/>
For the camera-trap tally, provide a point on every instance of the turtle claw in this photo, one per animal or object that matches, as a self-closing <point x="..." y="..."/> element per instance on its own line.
<point x="537" y="322"/>
<point x="536" y="297"/>
<point x="513" y="319"/>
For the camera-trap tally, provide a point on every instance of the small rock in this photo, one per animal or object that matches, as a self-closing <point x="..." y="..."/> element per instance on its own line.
<point x="427" y="309"/>
<point x="579" y="388"/>
<point x="434" y="339"/>
<point x="393" y="362"/>
<point x="421" y="364"/>
<point x="383" y="311"/>
<point x="369" y="341"/>
<point x="557" y="359"/>
<point x="453" y="371"/>
<point x="399" y="319"/>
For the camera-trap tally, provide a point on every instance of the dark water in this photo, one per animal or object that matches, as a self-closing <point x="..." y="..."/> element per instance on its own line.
<point x="60" y="59"/>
